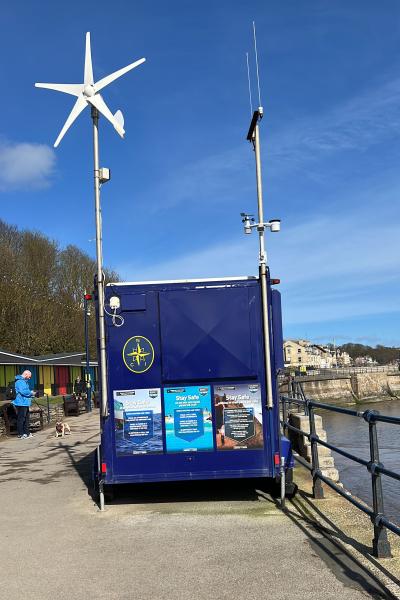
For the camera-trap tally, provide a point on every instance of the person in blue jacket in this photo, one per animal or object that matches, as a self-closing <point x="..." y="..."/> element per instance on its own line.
<point x="22" y="403"/>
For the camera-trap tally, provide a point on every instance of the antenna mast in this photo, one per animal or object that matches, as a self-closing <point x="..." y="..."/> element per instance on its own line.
<point x="254" y="137"/>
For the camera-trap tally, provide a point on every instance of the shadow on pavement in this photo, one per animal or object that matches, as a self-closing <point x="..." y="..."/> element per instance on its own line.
<point x="327" y="545"/>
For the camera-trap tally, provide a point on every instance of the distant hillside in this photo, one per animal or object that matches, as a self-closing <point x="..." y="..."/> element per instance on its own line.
<point x="382" y="354"/>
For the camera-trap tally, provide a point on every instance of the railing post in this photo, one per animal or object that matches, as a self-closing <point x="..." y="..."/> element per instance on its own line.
<point x="380" y="543"/>
<point x="318" y="491"/>
<point x="284" y="417"/>
<point x="48" y="409"/>
<point x="303" y="397"/>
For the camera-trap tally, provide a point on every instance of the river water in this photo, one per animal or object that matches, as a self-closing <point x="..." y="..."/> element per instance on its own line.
<point x="351" y="434"/>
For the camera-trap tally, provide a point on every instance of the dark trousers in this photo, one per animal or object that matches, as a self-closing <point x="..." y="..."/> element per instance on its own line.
<point x="22" y="420"/>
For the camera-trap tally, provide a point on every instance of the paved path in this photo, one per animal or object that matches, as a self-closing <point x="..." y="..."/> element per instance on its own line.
<point x="174" y="542"/>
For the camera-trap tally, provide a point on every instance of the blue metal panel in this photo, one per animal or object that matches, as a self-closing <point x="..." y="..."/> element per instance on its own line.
<point x="277" y="333"/>
<point x="133" y="301"/>
<point x="205" y="334"/>
<point x="200" y="336"/>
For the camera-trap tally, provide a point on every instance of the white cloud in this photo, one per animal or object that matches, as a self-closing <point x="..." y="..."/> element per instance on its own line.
<point x="365" y="120"/>
<point x="330" y="268"/>
<point x="25" y="165"/>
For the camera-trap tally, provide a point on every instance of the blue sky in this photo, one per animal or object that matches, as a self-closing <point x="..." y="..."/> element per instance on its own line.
<point x="330" y="86"/>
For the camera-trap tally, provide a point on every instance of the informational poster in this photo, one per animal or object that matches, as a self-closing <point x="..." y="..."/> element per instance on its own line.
<point x="188" y="419"/>
<point x="238" y="416"/>
<point x="138" y="422"/>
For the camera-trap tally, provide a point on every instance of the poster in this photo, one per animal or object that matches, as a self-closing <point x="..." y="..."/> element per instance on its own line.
<point x="137" y="416"/>
<point x="188" y="419"/>
<point x="238" y="416"/>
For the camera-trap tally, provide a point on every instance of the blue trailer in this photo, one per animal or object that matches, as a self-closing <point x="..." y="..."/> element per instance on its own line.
<point x="186" y="383"/>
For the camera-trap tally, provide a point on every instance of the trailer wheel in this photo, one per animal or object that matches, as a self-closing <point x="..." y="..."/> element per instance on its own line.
<point x="290" y="487"/>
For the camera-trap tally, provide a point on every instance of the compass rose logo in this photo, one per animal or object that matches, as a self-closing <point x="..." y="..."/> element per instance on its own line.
<point x="138" y="354"/>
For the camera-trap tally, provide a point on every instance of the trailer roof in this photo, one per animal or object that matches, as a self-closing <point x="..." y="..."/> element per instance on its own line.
<point x="199" y="280"/>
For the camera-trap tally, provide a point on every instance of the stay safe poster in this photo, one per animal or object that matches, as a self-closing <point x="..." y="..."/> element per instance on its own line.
<point x="188" y="419"/>
<point x="138" y="423"/>
<point x="238" y="416"/>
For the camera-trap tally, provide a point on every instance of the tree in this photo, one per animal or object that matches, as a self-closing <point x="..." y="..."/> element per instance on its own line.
<point x="41" y="294"/>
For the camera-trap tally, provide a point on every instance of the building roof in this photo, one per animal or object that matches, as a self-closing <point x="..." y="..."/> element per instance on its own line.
<point x="70" y="359"/>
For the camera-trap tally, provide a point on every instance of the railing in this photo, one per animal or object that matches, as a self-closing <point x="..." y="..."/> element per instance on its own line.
<point x="345" y="370"/>
<point x="380" y="542"/>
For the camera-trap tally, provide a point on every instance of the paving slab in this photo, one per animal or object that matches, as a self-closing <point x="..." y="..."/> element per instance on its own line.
<point x="184" y="541"/>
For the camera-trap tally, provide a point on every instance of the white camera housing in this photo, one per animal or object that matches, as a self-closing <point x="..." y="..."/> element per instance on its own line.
<point x="115" y="303"/>
<point x="104" y="175"/>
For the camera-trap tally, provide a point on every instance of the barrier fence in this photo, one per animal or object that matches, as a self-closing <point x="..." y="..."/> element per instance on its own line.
<point x="380" y="542"/>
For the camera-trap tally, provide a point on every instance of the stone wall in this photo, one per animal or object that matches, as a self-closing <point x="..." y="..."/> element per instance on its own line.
<point x="302" y="445"/>
<point x="342" y="389"/>
<point x="370" y="385"/>
<point x="394" y="385"/>
<point x="330" y="390"/>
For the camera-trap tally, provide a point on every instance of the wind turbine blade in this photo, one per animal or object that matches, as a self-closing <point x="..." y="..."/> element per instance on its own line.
<point x="88" y="76"/>
<point x="79" y="105"/>
<point x="102" y="107"/>
<point x="110" y="78"/>
<point x="119" y="117"/>
<point x="68" y="88"/>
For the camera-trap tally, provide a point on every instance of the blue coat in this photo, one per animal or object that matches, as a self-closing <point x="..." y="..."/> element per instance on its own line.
<point x="24" y="393"/>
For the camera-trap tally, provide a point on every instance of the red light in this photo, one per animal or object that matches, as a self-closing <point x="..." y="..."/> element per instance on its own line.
<point x="275" y="281"/>
<point x="103" y="468"/>
<point x="277" y="459"/>
<point x="88" y="296"/>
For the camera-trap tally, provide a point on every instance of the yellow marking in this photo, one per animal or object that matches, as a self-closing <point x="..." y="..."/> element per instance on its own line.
<point x="138" y="354"/>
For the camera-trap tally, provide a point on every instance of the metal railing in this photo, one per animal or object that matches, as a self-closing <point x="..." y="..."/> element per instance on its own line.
<point x="345" y="370"/>
<point x="380" y="542"/>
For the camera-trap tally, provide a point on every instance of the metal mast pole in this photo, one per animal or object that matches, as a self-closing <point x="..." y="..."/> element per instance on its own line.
<point x="87" y="370"/>
<point x="99" y="257"/>
<point x="254" y="137"/>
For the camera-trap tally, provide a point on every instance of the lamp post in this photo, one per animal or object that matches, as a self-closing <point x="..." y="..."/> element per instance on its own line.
<point x="86" y="299"/>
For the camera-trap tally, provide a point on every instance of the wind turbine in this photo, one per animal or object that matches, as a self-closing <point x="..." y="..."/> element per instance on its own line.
<point x="87" y="93"/>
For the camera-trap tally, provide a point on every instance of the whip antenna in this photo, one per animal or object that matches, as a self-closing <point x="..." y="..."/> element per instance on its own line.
<point x="248" y="79"/>
<point x="256" y="53"/>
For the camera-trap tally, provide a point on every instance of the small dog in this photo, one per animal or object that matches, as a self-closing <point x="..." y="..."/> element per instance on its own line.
<point x="62" y="429"/>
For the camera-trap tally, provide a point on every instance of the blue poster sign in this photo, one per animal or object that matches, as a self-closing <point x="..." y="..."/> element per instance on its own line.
<point x="137" y="417"/>
<point x="238" y="416"/>
<point x="138" y="425"/>
<point x="188" y="419"/>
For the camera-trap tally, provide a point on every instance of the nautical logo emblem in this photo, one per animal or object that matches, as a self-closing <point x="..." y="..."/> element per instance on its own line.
<point x="138" y="354"/>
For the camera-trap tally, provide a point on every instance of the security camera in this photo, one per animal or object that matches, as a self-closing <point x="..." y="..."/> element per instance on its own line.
<point x="275" y="225"/>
